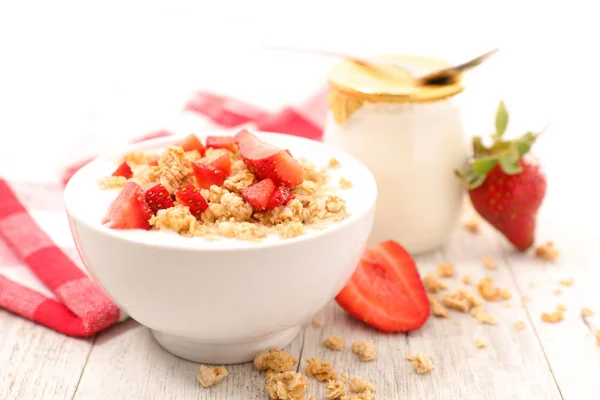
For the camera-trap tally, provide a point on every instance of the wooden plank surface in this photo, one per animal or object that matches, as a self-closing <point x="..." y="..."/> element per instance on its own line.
<point x="37" y="363"/>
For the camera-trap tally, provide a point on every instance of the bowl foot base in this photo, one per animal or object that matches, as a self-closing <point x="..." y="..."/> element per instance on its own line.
<point x="223" y="353"/>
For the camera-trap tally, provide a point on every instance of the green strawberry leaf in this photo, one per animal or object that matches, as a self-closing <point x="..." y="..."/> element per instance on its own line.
<point x="501" y="121"/>
<point x="484" y="165"/>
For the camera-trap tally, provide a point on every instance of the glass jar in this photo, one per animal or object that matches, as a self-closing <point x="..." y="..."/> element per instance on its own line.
<point x="411" y="138"/>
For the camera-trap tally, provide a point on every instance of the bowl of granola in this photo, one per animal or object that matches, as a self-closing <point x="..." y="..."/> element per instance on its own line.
<point x="222" y="245"/>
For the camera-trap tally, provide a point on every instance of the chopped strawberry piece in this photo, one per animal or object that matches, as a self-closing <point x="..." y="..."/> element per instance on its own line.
<point x="268" y="161"/>
<point x="157" y="196"/>
<point x="280" y="197"/>
<point x="386" y="291"/>
<point x="153" y="162"/>
<point x="259" y="194"/>
<point x="207" y="175"/>
<point x="129" y="210"/>
<point x="220" y="142"/>
<point x="222" y="163"/>
<point x="123" y="170"/>
<point x="191" y="142"/>
<point x="190" y="196"/>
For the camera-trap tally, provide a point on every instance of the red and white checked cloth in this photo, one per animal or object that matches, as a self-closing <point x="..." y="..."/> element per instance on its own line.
<point x="41" y="275"/>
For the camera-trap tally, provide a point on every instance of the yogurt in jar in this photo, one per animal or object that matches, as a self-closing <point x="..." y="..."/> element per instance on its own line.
<point x="411" y="138"/>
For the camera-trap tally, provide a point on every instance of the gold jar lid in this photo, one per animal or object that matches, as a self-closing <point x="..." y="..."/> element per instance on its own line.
<point x="352" y="84"/>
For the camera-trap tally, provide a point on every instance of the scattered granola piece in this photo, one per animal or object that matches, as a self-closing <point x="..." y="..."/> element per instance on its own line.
<point x="486" y="289"/>
<point x="598" y="336"/>
<point x="366" y="395"/>
<point x="365" y="350"/>
<point x="321" y="370"/>
<point x="471" y="226"/>
<point x="505" y="294"/>
<point x="433" y="284"/>
<point x="587" y="312"/>
<point x="312" y="398"/>
<point x="275" y="360"/>
<point x="345" y="183"/>
<point x="467" y="280"/>
<point x="557" y="292"/>
<point x="334" y="163"/>
<point x="483" y="317"/>
<point x="343" y="376"/>
<point x="489" y="263"/>
<point x="287" y="385"/>
<point x="520" y="325"/>
<point x="461" y="300"/>
<point x="547" y="251"/>
<point x="567" y="282"/>
<point x="178" y="219"/>
<point x="335" y="390"/>
<point x="358" y="385"/>
<point x="335" y="343"/>
<point x="317" y="323"/>
<point x="174" y="169"/>
<point x="552" y="317"/>
<point x="210" y="376"/>
<point x="112" y="182"/>
<point x="421" y="363"/>
<point x="561" y="307"/>
<point x="437" y="308"/>
<point x="445" y="270"/>
<point x="480" y="343"/>
<point x="525" y="299"/>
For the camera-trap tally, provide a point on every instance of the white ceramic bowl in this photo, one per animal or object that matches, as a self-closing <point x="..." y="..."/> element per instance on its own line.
<point x="224" y="301"/>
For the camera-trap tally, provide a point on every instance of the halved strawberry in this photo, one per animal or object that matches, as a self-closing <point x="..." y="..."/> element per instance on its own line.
<point x="123" y="170"/>
<point x="129" y="210"/>
<point x="280" y="197"/>
<point x="220" y="142"/>
<point x="223" y="163"/>
<point x="259" y="194"/>
<point x="190" y="196"/>
<point x="268" y="161"/>
<point x="157" y="196"/>
<point x="207" y="175"/>
<point x="191" y="142"/>
<point x="386" y="291"/>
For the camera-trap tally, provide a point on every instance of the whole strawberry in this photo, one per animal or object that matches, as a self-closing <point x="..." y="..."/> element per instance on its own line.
<point x="506" y="184"/>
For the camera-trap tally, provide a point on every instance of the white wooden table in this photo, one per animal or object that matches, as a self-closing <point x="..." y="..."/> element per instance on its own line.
<point x="543" y="361"/>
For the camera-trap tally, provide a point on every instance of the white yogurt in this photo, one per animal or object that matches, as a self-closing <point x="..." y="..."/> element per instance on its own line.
<point x="412" y="140"/>
<point x="90" y="203"/>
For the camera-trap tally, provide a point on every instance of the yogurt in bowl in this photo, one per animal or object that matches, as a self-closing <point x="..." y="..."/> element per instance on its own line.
<point x="220" y="298"/>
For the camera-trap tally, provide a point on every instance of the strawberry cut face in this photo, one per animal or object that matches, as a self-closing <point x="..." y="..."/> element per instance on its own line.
<point x="157" y="197"/>
<point x="259" y="194"/>
<point x="207" y="175"/>
<point x="220" y="142"/>
<point x="190" y="196"/>
<point x="268" y="161"/>
<point x="129" y="210"/>
<point x="223" y="163"/>
<point x="191" y="142"/>
<point x="386" y="291"/>
<point x="123" y="170"/>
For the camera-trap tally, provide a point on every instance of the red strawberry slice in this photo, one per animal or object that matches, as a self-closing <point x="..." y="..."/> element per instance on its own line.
<point x="259" y="194"/>
<point x="129" y="210"/>
<point x="220" y="142"/>
<point x="191" y="142"/>
<point x="190" y="196"/>
<point x="207" y="175"/>
<point x="280" y="197"/>
<point x="123" y="170"/>
<point x="268" y="161"/>
<point x="157" y="196"/>
<point x="386" y="291"/>
<point x="222" y="163"/>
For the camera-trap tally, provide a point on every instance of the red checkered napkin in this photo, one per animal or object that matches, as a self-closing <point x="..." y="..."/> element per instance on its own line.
<point x="41" y="275"/>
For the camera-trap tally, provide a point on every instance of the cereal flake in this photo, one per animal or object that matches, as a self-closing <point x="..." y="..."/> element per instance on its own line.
<point x="433" y="284"/>
<point x="345" y="183"/>
<point x="489" y="262"/>
<point x="288" y="385"/>
<point x="480" y="343"/>
<point x="421" y="363"/>
<point x="567" y="282"/>
<point x="587" y="312"/>
<point x="547" y="251"/>
<point x="320" y="369"/>
<point x="365" y="350"/>
<point x="335" y="343"/>
<point x="437" y="308"/>
<point x="275" y="360"/>
<point x="445" y="270"/>
<point x="520" y="325"/>
<point x="358" y="385"/>
<point x="461" y="300"/>
<point x="210" y="376"/>
<point x="335" y="390"/>
<point x="483" y="317"/>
